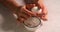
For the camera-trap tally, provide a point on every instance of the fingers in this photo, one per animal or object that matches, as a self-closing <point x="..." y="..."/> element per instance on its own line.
<point x="45" y="12"/>
<point x="44" y="17"/>
<point x="28" y="12"/>
<point x="22" y="10"/>
<point x="22" y="16"/>
<point x="21" y="19"/>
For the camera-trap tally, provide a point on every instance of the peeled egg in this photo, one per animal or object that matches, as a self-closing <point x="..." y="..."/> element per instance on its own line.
<point x="36" y="9"/>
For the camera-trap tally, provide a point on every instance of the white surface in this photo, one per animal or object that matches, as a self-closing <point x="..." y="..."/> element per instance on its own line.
<point x="53" y="24"/>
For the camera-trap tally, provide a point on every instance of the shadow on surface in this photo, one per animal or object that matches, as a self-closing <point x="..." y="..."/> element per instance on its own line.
<point x="9" y="21"/>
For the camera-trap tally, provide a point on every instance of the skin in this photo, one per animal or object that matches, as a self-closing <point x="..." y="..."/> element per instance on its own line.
<point x="22" y="12"/>
<point x="44" y="10"/>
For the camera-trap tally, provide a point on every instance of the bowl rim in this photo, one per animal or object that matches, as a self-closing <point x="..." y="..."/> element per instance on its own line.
<point x="40" y="23"/>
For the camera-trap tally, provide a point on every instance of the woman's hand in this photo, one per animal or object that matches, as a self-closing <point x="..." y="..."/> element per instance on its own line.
<point x="43" y="14"/>
<point x="23" y="14"/>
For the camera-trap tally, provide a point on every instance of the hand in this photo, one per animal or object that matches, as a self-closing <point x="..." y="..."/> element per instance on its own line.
<point x="43" y="14"/>
<point x="24" y="15"/>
